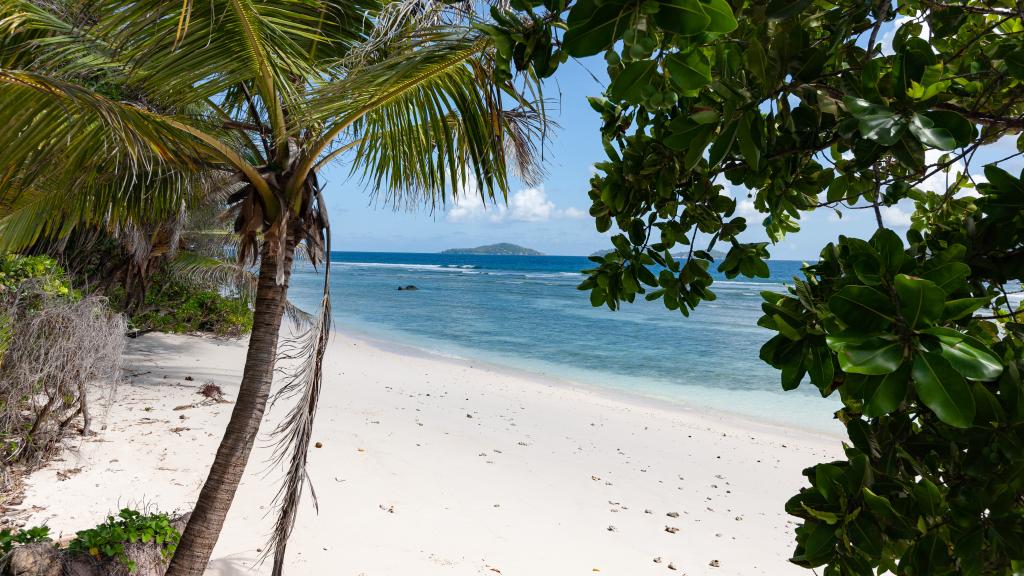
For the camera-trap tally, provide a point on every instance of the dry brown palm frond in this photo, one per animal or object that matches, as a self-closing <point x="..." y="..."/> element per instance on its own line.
<point x="302" y="384"/>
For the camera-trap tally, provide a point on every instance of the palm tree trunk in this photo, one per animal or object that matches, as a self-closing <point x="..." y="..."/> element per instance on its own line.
<point x="204" y="526"/>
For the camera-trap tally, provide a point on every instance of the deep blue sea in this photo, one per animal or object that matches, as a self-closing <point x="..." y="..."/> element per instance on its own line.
<point x="525" y="313"/>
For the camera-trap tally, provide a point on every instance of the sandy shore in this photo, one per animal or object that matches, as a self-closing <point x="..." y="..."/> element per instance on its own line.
<point x="434" y="466"/>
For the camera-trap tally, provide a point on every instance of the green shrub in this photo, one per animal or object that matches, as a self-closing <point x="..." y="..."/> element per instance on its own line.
<point x="175" y="306"/>
<point x="9" y="539"/>
<point x="108" y="539"/>
<point x="16" y="269"/>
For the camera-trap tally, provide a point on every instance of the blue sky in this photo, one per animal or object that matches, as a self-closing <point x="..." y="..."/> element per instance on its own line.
<point x="553" y="217"/>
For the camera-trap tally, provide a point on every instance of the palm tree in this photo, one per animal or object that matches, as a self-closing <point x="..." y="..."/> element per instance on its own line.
<point x="112" y="110"/>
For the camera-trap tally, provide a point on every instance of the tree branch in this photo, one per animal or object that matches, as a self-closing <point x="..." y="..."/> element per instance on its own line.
<point x="984" y="118"/>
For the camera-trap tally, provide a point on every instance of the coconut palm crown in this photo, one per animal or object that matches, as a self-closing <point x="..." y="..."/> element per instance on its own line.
<point x="116" y="113"/>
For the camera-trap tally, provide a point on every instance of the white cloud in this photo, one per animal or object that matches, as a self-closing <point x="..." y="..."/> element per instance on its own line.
<point x="574" y="213"/>
<point x="746" y="209"/>
<point x="527" y="205"/>
<point x="895" y="216"/>
<point x="939" y="181"/>
<point x="744" y="205"/>
<point x="530" y="205"/>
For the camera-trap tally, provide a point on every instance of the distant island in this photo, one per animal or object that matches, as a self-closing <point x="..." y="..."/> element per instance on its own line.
<point x="500" y="249"/>
<point x="716" y="254"/>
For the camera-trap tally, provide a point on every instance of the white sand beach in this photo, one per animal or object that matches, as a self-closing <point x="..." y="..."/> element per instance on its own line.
<point x="430" y="465"/>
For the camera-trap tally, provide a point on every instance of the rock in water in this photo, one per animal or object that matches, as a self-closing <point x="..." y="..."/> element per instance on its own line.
<point x="407" y="288"/>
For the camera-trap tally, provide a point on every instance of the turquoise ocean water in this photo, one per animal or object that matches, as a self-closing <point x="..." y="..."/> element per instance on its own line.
<point x="524" y="313"/>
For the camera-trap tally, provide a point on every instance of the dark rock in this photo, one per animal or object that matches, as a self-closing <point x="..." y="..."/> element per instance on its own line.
<point x="407" y="288"/>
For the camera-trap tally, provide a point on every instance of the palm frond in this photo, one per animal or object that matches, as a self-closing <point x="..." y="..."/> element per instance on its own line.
<point x="210" y="272"/>
<point x="34" y="38"/>
<point x="51" y="209"/>
<point x="73" y="135"/>
<point x="430" y="119"/>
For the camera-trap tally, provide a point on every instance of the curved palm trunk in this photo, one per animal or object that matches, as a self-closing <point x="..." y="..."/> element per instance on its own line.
<point x="204" y="526"/>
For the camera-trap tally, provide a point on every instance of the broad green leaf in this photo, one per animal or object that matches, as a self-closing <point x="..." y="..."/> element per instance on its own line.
<point x="866" y="536"/>
<point x="792" y="374"/>
<point x="883" y="394"/>
<point x="720" y="13"/>
<point x="1004" y="180"/>
<point x="921" y="301"/>
<point x="928" y="498"/>
<point x="863" y="308"/>
<point x="872" y="356"/>
<point x="631" y="81"/>
<point x="757" y="61"/>
<point x="690" y="71"/>
<point x="972" y="361"/>
<point x="749" y="140"/>
<point x="684" y="17"/>
<point x="861" y="108"/>
<point x="885" y="128"/>
<point x="785" y="329"/>
<point x="705" y="115"/>
<point x="948" y="276"/>
<point x="928" y="134"/>
<point x="989" y="408"/>
<point x="826" y="517"/>
<point x="890" y="251"/>
<point x="969" y="355"/>
<point x="879" y="505"/>
<point x="875" y="122"/>
<point x="961" y="129"/>
<point x="828" y="479"/>
<point x="594" y="31"/>
<point x="960" y="308"/>
<point x="783" y="9"/>
<point x="685" y="132"/>
<point x="820" y="367"/>
<point x="818" y="544"/>
<point x="721" y="146"/>
<point x="943" y="390"/>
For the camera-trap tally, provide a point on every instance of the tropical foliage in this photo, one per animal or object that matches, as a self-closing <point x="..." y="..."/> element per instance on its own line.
<point x="843" y="105"/>
<point x="108" y="539"/>
<point x="175" y="306"/>
<point x="9" y="539"/>
<point x="123" y="114"/>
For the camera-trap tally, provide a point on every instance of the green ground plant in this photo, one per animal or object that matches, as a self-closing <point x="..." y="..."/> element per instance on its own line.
<point x="9" y="538"/>
<point x="108" y="540"/>
<point x="833" y="105"/>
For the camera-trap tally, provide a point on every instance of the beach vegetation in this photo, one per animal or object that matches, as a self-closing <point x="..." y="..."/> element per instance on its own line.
<point x="176" y="306"/>
<point x="108" y="539"/>
<point x="122" y="114"/>
<point x="912" y="108"/>
<point x="11" y="538"/>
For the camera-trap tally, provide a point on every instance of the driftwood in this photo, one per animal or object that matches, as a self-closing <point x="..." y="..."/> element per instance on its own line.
<point x="45" y="559"/>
